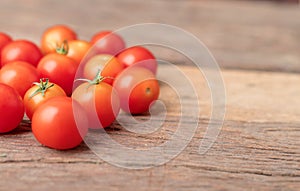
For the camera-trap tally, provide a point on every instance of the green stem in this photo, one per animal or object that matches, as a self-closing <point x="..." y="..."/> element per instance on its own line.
<point x="43" y="86"/>
<point x="63" y="49"/>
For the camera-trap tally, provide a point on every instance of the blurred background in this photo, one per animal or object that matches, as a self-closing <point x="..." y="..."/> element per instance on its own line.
<point x="242" y="34"/>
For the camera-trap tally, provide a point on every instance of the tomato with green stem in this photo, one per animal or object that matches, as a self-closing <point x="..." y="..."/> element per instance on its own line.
<point x="54" y="36"/>
<point x="19" y="75"/>
<point x="138" y="89"/>
<point x="11" y="108"/>
<point x="21" y="50"/>
<point x="99" y="99"/>
<point x="107" y="64"/>
<point x="60" y="123"/>
<point x="39" y="93"/>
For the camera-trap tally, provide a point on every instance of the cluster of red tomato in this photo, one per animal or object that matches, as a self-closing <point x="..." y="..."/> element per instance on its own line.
<point x="39" y="82"/>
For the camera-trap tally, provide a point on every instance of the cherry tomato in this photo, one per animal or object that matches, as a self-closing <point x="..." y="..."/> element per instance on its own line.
<point x="138" y="55"/>
<point x="21" y="50"/>
<point x="55" y="125"/>
<point x="4" y="40"/>
<point x="107" y="42"/>
<point x="19" y="75"/>
<point x="100" y="101"/>
<point x="107" y="64"/>
<point x="39" y="93"/>
<point x="59" y="69"/>
<point x="11" y="108"/>
<point x="137" y="88"/>
<point x="77" y="49"/>
<point x="54" y="36"/>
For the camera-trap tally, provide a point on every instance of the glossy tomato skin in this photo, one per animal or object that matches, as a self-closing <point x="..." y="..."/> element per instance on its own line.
<point x="21" y="50"/>
<point x="77" y="49"/>
<point x="59" y="69"/>
<point x="107" y="42"/>
<point x="140" y="56"/>
<point x="137" y="88"/>
<point x="19" y="75"/>
<point x="54" y="36"/>
<point x="100" y="101"/>
<point x="56" y="126"/>
<point x="31" y="103"/>
<point x="107" y="64"/>
<point x="4" y="40"/>
<point x="11" y="108"/>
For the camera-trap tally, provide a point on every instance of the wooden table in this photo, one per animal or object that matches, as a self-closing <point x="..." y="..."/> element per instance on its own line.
<point x="258" y="148"/>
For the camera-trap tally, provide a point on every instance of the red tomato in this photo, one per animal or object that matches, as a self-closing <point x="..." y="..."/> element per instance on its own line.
<point x="107" y="64"/>
<point x="138" y="55"/>
<point x="56" y="126"/>
<point x="19" y="75"/>
<point x="100" y="101"/>
<point x="77" y="49"/>
<point x="107" y="42"/>
<point x="137" y="88"/>
<point x="59" y="69"/>
<point x="11" y="108"/>
<point x="54" y="36"/>
<point x="4" y="40"/>
<point x="39" y="93"/>
<point x="21" y="50"/>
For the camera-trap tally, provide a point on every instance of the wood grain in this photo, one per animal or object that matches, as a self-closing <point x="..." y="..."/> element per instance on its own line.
<point x="257" y="35"/>
<point x="249" y="154"/>
<point x="258" y="148"/>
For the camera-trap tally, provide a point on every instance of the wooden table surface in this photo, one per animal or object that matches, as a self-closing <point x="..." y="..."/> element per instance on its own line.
<point x="257" y="46"/>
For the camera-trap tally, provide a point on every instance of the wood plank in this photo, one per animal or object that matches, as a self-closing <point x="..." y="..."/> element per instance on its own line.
<point x="255" y="149"/>
<point x="241" y="34"/>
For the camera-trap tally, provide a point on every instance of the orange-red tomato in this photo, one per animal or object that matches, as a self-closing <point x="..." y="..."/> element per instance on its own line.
<point x="39" y="93"/>
<point x="4" y="40"/>
<point x="54" y="36"/>
<point x="137" y="88"/>
<point x="107" y="64"/>
<point x="138" y="55"/>
<point x="59" y="69"/>
<point x="107" y="42"/>
<point x="60" y="123"/>
<point x="19" y="75"/>
<point x="77" y="49"/>
<point x="11" y="108"/>
<point x="100" y="101"/>
<point x="21" y="50"/>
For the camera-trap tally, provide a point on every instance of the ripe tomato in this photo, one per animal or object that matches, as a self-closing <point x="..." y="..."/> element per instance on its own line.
<point x="137" y="88"/>
<point x="54" y="36"/>
<point x="19" y="75"/>
<point x="107" y="42"/>
<point x="59" y="69"/>
<point x="11" y="108"/>
<point x="107" y="64"/>
<point x="55" y="125"/>
<point x="4" y="40"/>
<point x="138" y="55"/>
<point x="100" y="101"/>
<point x="77" y="49"/>
<point x="21" y="50"/>
<point x="39" y="93"/>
